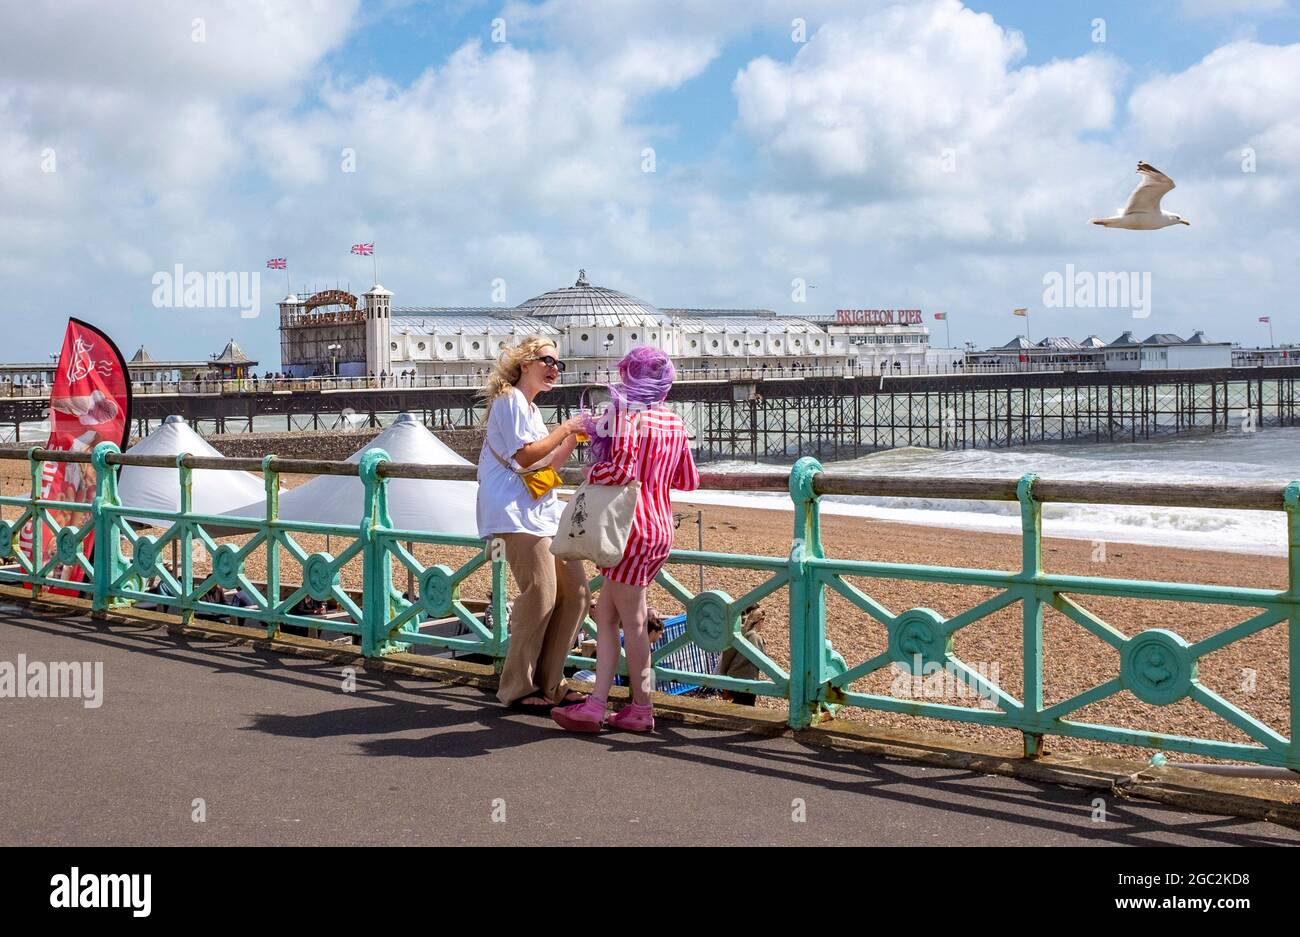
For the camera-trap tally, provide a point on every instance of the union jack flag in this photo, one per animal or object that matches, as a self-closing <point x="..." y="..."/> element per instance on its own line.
<point x="1265" y="319"/>
<point x="364" y="249"/>
<point x="278" y="263"/>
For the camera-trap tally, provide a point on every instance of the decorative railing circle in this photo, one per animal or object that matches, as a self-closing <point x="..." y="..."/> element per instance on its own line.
<point x="1157" y="667"/>
<point x="65" y="546"/>
<point x="6" y="539"/>
<point x="437" y="591"/>
<point x="711" y="620"/>
<point x="225" y="566"/>
<point x="918" y="634"/>
<point x="145" y="557"/>
<point x="319" y="576"/>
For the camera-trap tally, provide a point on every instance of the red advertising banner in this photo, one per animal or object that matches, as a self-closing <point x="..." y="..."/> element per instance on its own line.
<point x="90" y="403"/>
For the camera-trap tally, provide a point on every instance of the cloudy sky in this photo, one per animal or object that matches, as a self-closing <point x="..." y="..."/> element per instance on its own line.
<point x="925" y="154"/>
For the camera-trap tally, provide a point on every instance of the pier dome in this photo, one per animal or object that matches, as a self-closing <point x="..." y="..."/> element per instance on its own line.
<point x="592" y="306"/>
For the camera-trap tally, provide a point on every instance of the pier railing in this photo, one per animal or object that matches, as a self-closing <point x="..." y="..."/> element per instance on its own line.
<point x="128" y="548"/>
<point x="903" y="365"/>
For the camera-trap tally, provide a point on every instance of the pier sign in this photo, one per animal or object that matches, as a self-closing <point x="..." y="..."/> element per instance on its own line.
<point x="878" y="317"/>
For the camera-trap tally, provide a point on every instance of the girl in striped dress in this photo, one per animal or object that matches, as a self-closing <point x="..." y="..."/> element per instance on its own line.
<point x="636" y="439"/>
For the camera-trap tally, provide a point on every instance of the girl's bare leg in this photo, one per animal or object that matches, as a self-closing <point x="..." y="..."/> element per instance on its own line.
<point x="629" y="601"/>
<point x="606" y="640"/>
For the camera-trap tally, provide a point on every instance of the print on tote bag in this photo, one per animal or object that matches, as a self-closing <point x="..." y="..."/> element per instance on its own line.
<point x="577" y="529"/>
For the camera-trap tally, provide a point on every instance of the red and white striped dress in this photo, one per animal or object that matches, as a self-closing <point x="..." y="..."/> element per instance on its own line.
<point x="654" y="450"/>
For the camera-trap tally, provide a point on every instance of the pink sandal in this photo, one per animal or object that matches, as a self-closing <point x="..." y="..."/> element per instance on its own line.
<point x="587" y="716"/>
<point x="635" y="717"/>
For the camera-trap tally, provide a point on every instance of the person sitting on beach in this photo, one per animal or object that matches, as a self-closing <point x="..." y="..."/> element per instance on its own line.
<point x="488" y="619"/>
<point x="654" y="625"/>
<point x="240" y="599"/>
<point x="307" y="606"/>
<point x="217" y="596"/>
<point x="734" y="664"/>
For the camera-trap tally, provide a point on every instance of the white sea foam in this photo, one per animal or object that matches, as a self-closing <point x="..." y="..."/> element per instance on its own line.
<point x="1267" y="456"/>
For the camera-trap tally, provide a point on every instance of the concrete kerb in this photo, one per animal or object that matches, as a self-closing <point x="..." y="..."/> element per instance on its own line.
<point x="1183" y="788"/>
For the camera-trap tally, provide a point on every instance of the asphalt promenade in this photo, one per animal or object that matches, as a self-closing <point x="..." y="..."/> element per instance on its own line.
<point x="202" y="741"/>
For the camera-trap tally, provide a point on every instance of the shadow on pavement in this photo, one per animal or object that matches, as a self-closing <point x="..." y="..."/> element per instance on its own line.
<point x="468" y="722"/>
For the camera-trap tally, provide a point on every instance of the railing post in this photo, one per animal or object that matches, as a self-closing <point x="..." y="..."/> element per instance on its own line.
<point x="1031" y="548"/>
<point x="807" y="598"/>
<point x="1291" y="498"/>
<point x="496" y="556"/>
<point x="107" y="551"/>
<point x="377" y="573"/>
<point x="185" y="478"/>
<point x="272" y="481"/>
<point x="37" y="469"/>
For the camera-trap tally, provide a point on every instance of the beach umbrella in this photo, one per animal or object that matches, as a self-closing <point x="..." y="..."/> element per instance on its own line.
<point x="446" y="507"/>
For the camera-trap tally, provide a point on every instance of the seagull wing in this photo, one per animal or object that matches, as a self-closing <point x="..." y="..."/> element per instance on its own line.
<point x="1146" y="197"/>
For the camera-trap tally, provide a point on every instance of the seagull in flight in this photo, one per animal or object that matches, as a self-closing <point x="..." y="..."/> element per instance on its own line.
<point x="1143" y="212"/>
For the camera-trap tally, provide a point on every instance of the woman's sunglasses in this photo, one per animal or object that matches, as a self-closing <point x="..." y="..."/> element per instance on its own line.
<point x="551" y="362"/>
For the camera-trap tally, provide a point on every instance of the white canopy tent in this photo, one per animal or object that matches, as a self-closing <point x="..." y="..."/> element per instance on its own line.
<point x="159" y="489"/>
<point x="445" y="507"/>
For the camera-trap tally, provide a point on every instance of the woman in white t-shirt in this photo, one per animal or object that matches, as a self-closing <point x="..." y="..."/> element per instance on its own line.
<point x="553" y="593"/>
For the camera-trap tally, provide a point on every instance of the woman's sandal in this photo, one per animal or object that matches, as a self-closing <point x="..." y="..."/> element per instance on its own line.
<point x="540" y="704"/>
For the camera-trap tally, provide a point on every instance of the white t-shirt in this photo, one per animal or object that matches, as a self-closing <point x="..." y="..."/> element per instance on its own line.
<point x="504" y="504"/>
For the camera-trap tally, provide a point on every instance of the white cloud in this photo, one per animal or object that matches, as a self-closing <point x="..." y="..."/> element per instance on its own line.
<point x="874" y="110"/>
<point x="147" y="130"/>
<point x="244" y="47"/>
<point x="524" y="161"/>
<point x="1242" y="94"/>
<point x="655" y="64"/>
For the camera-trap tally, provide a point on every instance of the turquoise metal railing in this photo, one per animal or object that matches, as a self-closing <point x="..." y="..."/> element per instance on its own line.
<point x="1157" y="666"/>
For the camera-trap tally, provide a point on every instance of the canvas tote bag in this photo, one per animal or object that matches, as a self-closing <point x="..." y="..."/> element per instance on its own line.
<point x="596" y="523"/>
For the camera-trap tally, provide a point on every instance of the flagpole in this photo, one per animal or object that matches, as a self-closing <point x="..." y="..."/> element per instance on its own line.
<point x="1271" y="343"/>
<point x="947" y="327"/>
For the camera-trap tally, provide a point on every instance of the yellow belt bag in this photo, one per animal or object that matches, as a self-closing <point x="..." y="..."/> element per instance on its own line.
<point x="538" y="481"/>
<point x="541" y="481"/>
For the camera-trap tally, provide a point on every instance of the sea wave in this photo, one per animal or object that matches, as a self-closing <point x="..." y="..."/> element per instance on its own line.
<point x="1268" y="456"/>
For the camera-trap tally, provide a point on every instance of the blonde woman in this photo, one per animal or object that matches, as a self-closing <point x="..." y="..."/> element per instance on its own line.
<point x="552" y="593"/>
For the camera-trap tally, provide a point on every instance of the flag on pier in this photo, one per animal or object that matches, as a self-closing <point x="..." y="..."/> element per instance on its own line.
<point x="1020" y="312"/>
<point x="278" y="263"/>
<point x="1268" y="320"/>
<point x="368" y="250"/>
<point x="90" y="403"/>
<point x="943" y="317"/>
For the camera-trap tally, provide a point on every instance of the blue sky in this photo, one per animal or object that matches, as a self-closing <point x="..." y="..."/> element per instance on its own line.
<point x="476" y="161"/>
